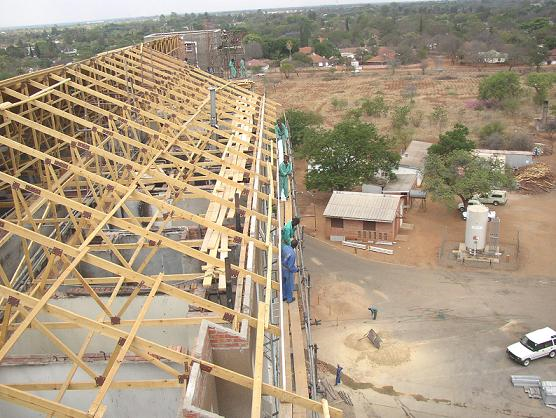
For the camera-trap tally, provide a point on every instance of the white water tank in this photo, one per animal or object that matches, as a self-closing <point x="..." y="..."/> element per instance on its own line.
<point x="476" y="228"/>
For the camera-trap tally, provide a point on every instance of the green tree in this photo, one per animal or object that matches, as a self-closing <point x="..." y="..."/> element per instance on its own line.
<point x="489" y="129"/>
<point x="541" y="82"/>
<point x="347" y="155"/>
<point x="439" y="116"/>
<point x="461" y="174"/>
<point x="286" y="68"/>
<point x="376" y="106"/>
<point x="500" y="86"/>
<point x="456" y="139"/>
<point x="400" y="116"/>
<point x="301" y="122"/>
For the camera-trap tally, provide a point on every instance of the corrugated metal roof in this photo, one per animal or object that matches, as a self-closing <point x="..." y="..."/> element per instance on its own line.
<point x="363" y="206"/>
<point x="403" y="183"/>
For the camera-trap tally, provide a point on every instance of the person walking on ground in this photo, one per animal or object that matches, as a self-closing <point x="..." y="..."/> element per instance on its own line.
<point x="288" y="231"/>
<point x="289" y="268"/>
<point x="338" y="374"/>
<point x="285" y="171"/>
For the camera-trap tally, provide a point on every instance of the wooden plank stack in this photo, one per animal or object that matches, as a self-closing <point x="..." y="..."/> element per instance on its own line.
<point x="535" y="178"/>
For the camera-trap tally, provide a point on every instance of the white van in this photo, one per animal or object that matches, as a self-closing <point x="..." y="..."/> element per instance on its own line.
<point x="536" y="344"/>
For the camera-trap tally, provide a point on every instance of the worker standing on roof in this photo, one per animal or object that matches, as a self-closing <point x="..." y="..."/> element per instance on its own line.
<point x="282" y="134"/>
<point x="288" y="231"/>
<point x="242" y="69"/>
<point x="285" y="171"/>
<point x="289" y="268"/>
<point x="232" y="66"/>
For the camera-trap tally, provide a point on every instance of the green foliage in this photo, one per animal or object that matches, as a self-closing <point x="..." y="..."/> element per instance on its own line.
<point x="339" y="104"/>
<point x="347" y="155"/>
<point x="542" y="83"/>
<point x="376" y="106"/>
<point x="439" y="116"/>
<point x="302" y="58"/>
<point x="326" y="49"/>
<point x="416" y="118"/>
<point x="489" y="129"/>
<point x="500" y="86"/>
<point x="456" y="139"/>
<point x="400" y="116"/>
<point x="300" y="122"/>
<point x="354" y="113"/>
<point x="286" y="68"/>
<point x="462" y="174"/>
<point x="276" y="49"/>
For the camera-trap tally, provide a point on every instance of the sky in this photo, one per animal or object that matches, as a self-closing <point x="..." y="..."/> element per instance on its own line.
<point x="47" y="12"/>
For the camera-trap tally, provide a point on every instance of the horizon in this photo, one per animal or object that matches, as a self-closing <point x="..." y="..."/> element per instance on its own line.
<point x="34" y="10"/>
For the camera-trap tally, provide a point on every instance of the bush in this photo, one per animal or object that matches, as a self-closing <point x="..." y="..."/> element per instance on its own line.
<point x="400" y="117"/>
<point x="489" y="129"/>
<point x="519" y="142"/>
<point x="494" y="140"/>
<point x="376" y="107"/>
<point x="417" y="118"/>
<point x="338" y="104"/>
<point x="355" y="113"/>
<point x="500" y="86"/>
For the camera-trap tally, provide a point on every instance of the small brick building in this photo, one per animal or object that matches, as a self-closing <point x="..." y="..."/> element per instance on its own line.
<point x="363" y="216"/>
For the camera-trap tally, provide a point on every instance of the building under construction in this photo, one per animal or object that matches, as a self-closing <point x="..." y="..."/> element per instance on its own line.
<point x="209" y="49"/>
<point x="140" y="246"/>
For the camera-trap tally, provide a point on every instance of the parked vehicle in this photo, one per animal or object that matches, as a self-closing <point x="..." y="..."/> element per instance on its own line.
<point x="495" y="197"/>
<point x="536" y="344"/>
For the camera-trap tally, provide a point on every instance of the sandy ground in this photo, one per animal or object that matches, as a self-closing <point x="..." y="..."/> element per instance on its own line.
<point x="444" y="336"/>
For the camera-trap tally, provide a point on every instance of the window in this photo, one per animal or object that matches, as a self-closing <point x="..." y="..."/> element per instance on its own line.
<point x="369" y="226"/>
<point x="337" y="223"/>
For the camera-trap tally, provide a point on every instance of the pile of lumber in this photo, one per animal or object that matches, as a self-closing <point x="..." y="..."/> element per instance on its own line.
<point x="535" y="178"/>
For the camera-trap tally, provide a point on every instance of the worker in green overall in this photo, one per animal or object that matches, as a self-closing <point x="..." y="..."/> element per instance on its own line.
<point x="285" y="171"/>
<point x="282" y="134"/>
<point x="232" y="66"/>
<point x="288" y="231"/>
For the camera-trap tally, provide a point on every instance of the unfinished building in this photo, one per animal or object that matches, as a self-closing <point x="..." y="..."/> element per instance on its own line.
<point x="140" y="245"/>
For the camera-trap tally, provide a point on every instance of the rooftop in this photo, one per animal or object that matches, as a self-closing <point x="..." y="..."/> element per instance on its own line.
<point x="414" y="155"/>
<point x="362" y="206"/>
<point x="403" y="183"/>
<point x="541" y="335"/>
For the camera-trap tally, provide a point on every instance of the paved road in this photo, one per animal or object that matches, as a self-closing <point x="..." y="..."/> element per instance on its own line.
<point x="445" y="334"/>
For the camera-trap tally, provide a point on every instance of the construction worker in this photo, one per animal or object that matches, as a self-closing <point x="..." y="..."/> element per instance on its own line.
<point x="242" y="69"/>
<point x="374" y="312"/>
<point x="232" y="67"/>
<point x="282" y="134"/>
<point x="285" y="171"/>
<point x="338" y="374"/>
<point x="288" y="231"/>
<point x="289" y="268"/>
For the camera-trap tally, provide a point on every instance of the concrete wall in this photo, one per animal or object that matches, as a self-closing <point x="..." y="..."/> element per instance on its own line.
<point x="33" y="342"/>
<point x="159" y="403"/>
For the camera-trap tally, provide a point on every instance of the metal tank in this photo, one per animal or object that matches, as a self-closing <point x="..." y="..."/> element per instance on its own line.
<point x="476" y="228"/>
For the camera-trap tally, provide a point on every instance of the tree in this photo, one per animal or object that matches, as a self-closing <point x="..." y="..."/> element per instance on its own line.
<point x="450" y="44"/>
<point x="400" y="117"/>
<point x="500" y="86"/>
<point x="347" y="155"/>
<point x="541" y="82"/>
<point x="286" y="68"/>
<point x="300" y="122"/>
<point x="439" y="116"/>
<point x="456" y="139"/>
<point x="376" y="106"/>
<point x="462" y="174"/>
<point x="424" y="65"/>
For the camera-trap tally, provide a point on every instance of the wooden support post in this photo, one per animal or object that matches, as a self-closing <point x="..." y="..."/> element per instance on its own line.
<point x="259" y="359"/>
<point x="228" y="273"/>
<point x="237" y="213"/>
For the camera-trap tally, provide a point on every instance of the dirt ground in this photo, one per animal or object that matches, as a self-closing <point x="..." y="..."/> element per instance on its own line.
<point x="526" y="219"/>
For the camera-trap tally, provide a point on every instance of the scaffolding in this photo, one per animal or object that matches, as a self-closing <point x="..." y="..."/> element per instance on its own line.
<point x="120" y="146"/>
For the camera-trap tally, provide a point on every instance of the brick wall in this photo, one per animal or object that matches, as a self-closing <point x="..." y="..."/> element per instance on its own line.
<point x="224" y="338"/>
<point x="352" y="228"/>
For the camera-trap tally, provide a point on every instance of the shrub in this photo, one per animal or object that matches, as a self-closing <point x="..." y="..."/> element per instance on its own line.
<point x="417" y="118"/>
<point x="519" y="142"/>
<point x="375" y="107"/>
<point x="300" y="121"/>
<point x="400" y="117"/>
<point x="500" y="86"/>
<point x="338" y="104"/>
<point x="495" y="140"/>
<point x="489" y="129"/>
